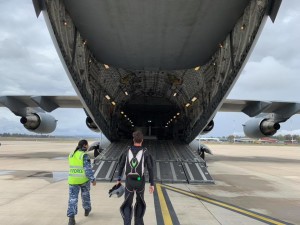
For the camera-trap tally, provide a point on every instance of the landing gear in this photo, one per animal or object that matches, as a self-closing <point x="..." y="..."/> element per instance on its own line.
<point x="201" y="152"/>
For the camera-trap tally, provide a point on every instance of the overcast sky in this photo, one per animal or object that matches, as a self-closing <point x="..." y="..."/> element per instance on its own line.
<point x="29" y="65"/>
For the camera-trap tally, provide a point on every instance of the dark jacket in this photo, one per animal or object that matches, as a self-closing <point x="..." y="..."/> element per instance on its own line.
<point x="148" y="162"/>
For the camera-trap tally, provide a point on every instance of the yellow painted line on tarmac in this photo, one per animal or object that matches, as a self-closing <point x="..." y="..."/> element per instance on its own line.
<point x="227" y="206"/>
<point x="164" y="208"/>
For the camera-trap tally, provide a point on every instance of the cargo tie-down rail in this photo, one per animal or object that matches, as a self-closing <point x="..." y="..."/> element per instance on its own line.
<point x="173" y="162"/>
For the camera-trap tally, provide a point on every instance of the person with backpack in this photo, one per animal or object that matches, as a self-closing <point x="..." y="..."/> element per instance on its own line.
<point x="134" y="160"/>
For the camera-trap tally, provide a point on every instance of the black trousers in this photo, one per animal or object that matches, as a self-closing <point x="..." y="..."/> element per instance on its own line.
<point x="139" y="207"/>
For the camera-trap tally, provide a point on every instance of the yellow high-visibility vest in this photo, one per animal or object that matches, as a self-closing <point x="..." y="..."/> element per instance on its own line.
<point x="76" y="172"/>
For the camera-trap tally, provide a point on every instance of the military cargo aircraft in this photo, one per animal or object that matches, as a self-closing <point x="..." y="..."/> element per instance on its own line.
<point x="164" y="67"/>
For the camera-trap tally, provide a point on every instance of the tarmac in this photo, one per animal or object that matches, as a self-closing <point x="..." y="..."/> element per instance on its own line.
<point x="254" y="184"/>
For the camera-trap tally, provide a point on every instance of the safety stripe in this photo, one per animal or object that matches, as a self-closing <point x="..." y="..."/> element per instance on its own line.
<point x="81" y="155"/>
<point x="139" y="157"/>
<point x="124" y="172"/>
<point x="164" y="208"/>
<point x="170" y="207"/>
<point x="201" y="172"/>
<point x="158" y="212"/>
<point x="98" y="170"/>
<point x="76" y="175"/>
<point x="245" y="212"/>
<point x="189" y="172"/>
<point x="110" y="169"/>
<point x="157" y="170"/>
<point x="130" y="157"/>
<point x="143" y="164"/>
<point x="121" y="211"/>
<point x="76" y="167"/>
<point x="173" y="171"/>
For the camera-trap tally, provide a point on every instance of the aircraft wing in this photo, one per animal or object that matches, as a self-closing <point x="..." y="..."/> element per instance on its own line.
<point x="32" y="110"/>
<point x="268" y="114"/>
<point x="253" y="107"/>
<point x="47" y="103"/>
<point x="250" y="107"/>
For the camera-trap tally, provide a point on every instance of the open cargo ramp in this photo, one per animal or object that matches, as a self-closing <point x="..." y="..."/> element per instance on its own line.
<point x="173" y="162"/>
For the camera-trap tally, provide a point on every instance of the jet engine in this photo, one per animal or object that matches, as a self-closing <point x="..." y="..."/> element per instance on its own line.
<point x="208" y="127"/>
<point x="260" y="127"/>
<point x="40" y="123"/>
<point x="91" y="124"/>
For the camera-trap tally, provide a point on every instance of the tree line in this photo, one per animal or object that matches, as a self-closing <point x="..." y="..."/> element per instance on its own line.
<point x="287" y="137"/>
<point x="26" y="135"/>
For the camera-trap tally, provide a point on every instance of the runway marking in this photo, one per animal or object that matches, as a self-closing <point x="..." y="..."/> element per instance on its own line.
<point x="163" y="205"/>
<point x="237" y="209"/>
<point x="170" y="207"/>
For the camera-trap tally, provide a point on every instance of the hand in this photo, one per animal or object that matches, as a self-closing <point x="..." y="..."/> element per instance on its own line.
<point x="118" y="182"/>
<point x="94" y="183"/>
<point x="151" y="189"/>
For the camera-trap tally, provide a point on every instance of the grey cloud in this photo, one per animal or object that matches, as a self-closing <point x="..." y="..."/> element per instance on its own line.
<point x="66" y="124"/>
<point x="71" y="122"/>
<point x="267" y="80"/>
<point x="232" y="124"/>
<point x="281" y="39"/>
<point x="11" y="49"/>
<point x="10" y="123"/>
<point x="28" y="60"/>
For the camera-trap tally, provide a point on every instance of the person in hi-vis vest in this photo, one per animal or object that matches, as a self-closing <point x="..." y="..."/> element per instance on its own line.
<point x="80" y="178"/>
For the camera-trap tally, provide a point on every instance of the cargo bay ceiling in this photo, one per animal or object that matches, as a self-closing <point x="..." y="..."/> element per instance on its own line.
<point x="161" y="64"/>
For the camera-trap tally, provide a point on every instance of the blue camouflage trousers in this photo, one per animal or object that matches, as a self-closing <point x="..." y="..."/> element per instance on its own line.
<point x="73" y="198"/>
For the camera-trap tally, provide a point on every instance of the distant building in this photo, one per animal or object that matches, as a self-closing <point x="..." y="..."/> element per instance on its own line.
<point x="290" y="142"/>
<point x="209" y="139"/>
<point x="245" y="140"/>
<point x="268" y="140"/>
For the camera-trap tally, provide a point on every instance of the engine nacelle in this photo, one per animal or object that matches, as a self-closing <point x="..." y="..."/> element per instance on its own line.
<point x="40" y="123"/>
<point x="91" y="124"/>
<point x="260" y="127"/>
<point x="208" y="127"/>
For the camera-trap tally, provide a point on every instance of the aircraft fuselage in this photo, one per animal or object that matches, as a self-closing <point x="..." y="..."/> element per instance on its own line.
<point x="161" y="66"/>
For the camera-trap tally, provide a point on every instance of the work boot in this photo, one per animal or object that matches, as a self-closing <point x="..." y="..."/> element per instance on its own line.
<point x="87" y="212"/>
<point x="72" y="221"/>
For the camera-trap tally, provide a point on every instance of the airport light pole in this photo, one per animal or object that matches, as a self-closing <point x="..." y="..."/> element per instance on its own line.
<point x="291" y="131"/>
<point x="233" y="131"/>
